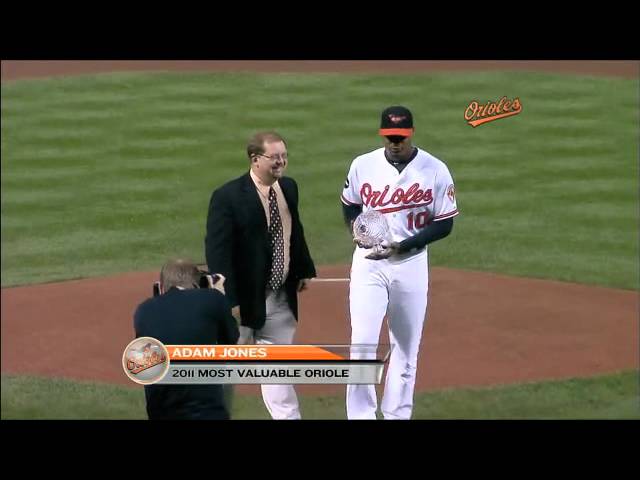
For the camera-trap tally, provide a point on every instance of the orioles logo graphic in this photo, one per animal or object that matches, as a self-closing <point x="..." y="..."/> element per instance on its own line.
<point x="476" y="114"/>
<point x="145" y="360"/>
<point x="147" y="357"/>
<point x="451" y="192"/>
<point x="396" y="118"/>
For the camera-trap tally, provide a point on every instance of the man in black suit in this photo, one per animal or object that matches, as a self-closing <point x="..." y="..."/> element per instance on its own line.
<point x="184" y="314"/>
<point x="256" y="240"/>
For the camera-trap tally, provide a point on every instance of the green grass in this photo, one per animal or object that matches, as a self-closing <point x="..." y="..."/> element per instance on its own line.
<point x="113" y="173"/>
<point x="614" y="396"/>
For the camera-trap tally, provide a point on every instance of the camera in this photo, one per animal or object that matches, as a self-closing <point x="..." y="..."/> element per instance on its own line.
<point x="207" y="280"/>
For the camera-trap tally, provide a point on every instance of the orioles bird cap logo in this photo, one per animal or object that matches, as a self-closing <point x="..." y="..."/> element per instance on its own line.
<point x="396" y="118"/>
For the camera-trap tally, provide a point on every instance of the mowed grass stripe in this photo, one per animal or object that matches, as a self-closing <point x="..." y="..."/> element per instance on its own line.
<point x="162" y="142"/>
<point x="612" y="396"/>
<point x="145" y="167"/>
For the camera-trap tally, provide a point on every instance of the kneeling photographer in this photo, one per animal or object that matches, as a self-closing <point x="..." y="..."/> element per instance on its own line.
<point x="188" y="307"/>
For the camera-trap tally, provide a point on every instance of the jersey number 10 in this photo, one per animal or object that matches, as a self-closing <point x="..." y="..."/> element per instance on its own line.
<point x="420" y="220"/>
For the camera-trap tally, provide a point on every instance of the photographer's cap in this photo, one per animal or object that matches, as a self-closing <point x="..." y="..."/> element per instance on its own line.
<point x="396" y="120"/>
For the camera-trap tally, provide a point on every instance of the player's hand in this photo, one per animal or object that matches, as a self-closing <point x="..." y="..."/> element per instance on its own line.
<point x="235" y="311"/>
<point x="303" y="284"/>
<point x="388" y="250"/>
<point x="362" y="244"/>
<point x="217" y="282"/>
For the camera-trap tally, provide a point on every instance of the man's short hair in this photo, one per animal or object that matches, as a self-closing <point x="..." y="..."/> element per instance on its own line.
<point x="257" y="141"/>
<point x="179" y="273"/>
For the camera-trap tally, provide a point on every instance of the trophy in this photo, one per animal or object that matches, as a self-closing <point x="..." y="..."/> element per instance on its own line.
<point x="371" y="230"/>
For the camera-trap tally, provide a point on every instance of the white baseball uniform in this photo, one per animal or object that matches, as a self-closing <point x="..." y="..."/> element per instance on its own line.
<point x="423" y="192"/>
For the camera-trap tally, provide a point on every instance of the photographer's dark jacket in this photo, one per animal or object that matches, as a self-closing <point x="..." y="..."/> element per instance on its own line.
<point x="237" y="246"/>
<point x="183" y="317"/>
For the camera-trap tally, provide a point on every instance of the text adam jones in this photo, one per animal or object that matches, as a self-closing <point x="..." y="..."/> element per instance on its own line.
<point x="218" y="352"/>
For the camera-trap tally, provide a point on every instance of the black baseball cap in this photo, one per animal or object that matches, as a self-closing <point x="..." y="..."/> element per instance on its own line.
<point x="396" y="121"/>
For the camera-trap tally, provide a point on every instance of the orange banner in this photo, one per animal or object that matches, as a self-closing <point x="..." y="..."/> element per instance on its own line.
<point x="250" y="352"/>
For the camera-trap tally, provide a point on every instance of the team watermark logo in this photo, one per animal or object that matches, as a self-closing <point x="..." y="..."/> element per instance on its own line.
<point x="145" y="360"/>
<point x="476" y="114"/>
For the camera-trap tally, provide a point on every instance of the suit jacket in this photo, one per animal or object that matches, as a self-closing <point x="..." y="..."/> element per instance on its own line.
<point x="237" y="246"/>
<point x="182" y="317"/>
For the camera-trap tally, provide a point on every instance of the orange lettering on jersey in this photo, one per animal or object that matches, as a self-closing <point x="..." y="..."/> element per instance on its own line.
<point x="412" y="191"/>
<point x="382" y="195"/>
<point x="409" y="199"/>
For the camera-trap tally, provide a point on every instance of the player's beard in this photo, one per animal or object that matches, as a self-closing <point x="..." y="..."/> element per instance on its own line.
<point x="395" y="154"/>
<point x="399" y="155"/>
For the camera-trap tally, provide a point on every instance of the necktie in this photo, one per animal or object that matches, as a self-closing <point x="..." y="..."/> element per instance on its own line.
<point x="276" y="239"/>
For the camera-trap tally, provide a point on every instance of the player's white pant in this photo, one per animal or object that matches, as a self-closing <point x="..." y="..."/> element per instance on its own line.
<point x="397" y="287"/>
<point x="279" y="329"/>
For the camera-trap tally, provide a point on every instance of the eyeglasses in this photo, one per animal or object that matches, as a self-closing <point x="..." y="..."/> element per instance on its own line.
<point x="277" y="156"/>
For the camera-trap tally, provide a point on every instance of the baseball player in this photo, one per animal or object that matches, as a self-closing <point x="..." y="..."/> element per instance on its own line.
<point x="415" y="192"/>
